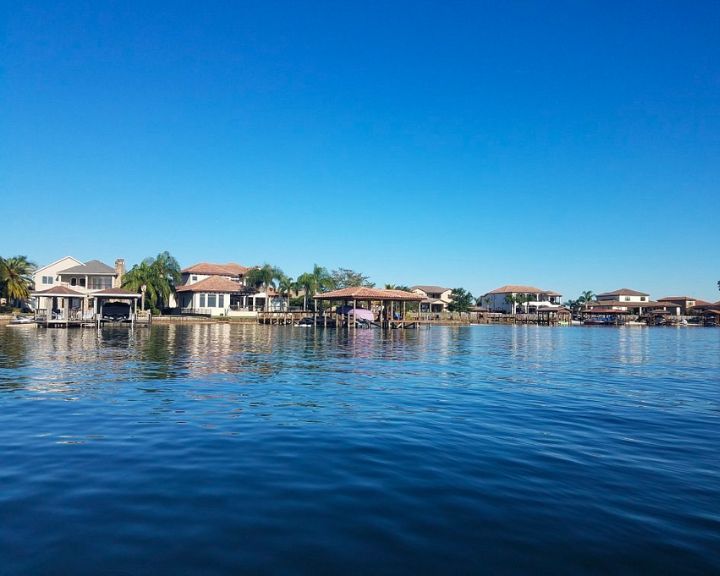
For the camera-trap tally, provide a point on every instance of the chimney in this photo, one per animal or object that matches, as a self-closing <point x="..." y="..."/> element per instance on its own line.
<point x="119" y="272"/>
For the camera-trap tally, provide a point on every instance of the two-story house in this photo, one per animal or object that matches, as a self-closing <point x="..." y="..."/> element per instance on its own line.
<point x="629" y="301"/>
<point x="513" y="297"/>
<point x="435" y="298"/>
<point x="70" y="276"/>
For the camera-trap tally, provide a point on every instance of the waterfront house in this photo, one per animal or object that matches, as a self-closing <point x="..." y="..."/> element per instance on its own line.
<point x="204" y="270"/>
<point x="684" y="303"/>
<point x="628" y="301"/>
<point x="435" y="298"/>
<point x="82" y="278"/>
<point x="214" y="295"/>
<point x="509" y="298"/>
<point x="222" y="290"/>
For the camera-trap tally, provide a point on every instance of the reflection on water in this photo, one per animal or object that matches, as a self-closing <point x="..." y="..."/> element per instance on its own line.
<point x="220" y="448"/>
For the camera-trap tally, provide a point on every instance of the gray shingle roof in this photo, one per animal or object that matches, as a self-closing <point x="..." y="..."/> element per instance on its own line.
<point x="90" y="267"/>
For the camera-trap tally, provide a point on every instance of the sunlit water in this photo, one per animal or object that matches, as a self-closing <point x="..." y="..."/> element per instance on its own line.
<point x="227" y="449"/>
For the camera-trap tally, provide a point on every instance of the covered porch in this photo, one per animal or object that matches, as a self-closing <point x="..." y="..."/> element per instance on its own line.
<point x="62" y="307"/>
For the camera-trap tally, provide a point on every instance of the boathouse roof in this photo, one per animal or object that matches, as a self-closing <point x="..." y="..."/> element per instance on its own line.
<point x="59" y="291"/>
<point x="363" y="293"/>
<point x="116" y="293"/>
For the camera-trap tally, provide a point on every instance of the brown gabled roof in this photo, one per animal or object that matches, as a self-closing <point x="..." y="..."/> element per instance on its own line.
<point x="213" y="284"/>
<point x="624" y="292"/>
<point x="677" y="299"/>
<point x="121" y="292"/>
<point x="519" y="289"/>
<point x="59" y="291"/>
<point x="208" y="269"/>
<point x="620" y="303"/>
<point x="431" y="289"/>
<point x="93" y="267"/>
<point x="362" y="293"/>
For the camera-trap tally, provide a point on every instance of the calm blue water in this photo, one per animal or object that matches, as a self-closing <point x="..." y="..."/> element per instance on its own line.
<point x="218" y="449"/>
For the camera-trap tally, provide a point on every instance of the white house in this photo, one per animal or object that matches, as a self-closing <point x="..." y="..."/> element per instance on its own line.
<point x="507" y="298"/>
<point x="435" y="298"/>
<point x="83" y="278"/>
<point x="630" y="301"/>
<point x="221" y="290"/>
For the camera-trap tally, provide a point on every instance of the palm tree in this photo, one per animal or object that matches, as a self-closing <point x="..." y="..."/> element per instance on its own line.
<point x="159" y="275"/>
<point x="287" y="285"/>
<point x="166" y="271"/>
<point x="306" y="282"/>
<point x="16" y="278"/>
<point x="264" y="277"/>
<point x="586" y="297"/>
<point x="142" y="275"/>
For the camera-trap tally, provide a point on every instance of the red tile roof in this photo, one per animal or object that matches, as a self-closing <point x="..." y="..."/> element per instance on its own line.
<point x="362" y="293"/>
<point x="618" y="303"/>
<point x="624" y="292"/>
<point x="208" y="269"/>
<point x="519" y="289"/>
<point x="213" y="284"/>
<point x="676" y="299"/>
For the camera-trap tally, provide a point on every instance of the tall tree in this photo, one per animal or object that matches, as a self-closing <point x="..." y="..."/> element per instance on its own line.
<point x="462" y="300"/>
<point x="346" y="278"/>
<point x="159" y="275"/>
<point x="586" y="297"/>
<point x="264" y="277"/>
<point x="16" y="278"/>
<point x="286" y="285"/>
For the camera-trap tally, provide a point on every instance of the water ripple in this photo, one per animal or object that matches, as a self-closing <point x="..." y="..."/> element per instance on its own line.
<point x="221" y="448"/>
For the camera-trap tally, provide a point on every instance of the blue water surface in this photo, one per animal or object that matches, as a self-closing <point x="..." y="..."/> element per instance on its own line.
<point x="229" y="449"/>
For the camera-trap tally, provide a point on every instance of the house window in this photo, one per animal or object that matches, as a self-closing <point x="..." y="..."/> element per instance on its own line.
<point x="82" y="282"/>
<point x="212" y="300"/>
<point x="627" y="298"/>
<point x="194" y="278"/>
<point x="100" y="282"/>
<point x="202" y="300"/>
<point x="642" y="298"/>
<point x="221" y="300"/>
<point x="47" y="279"/>
<point x="73" y="281"/>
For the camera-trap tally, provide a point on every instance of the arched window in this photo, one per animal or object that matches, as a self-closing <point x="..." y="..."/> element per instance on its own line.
<point x="73" y="281"/>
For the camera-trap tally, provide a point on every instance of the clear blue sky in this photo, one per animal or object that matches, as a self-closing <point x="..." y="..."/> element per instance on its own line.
<point x="569" y="145"/>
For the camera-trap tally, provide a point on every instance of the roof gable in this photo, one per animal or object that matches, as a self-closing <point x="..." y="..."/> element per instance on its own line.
<point x="77" y="262"/>
<point x="214" y="284"/>
<point x="209" y="269"/>
<point x="431" y="289"/>
<point x="90" y="267"/>
<point x="624" y="292"/>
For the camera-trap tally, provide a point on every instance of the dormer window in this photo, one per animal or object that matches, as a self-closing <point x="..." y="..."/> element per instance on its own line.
<point x="194" y="278"/>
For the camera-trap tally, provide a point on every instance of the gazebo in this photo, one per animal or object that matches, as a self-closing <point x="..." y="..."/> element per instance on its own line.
<point x="64" y="307"/>
<point x="554" y="315"/>
<point x="393" y="304"/>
